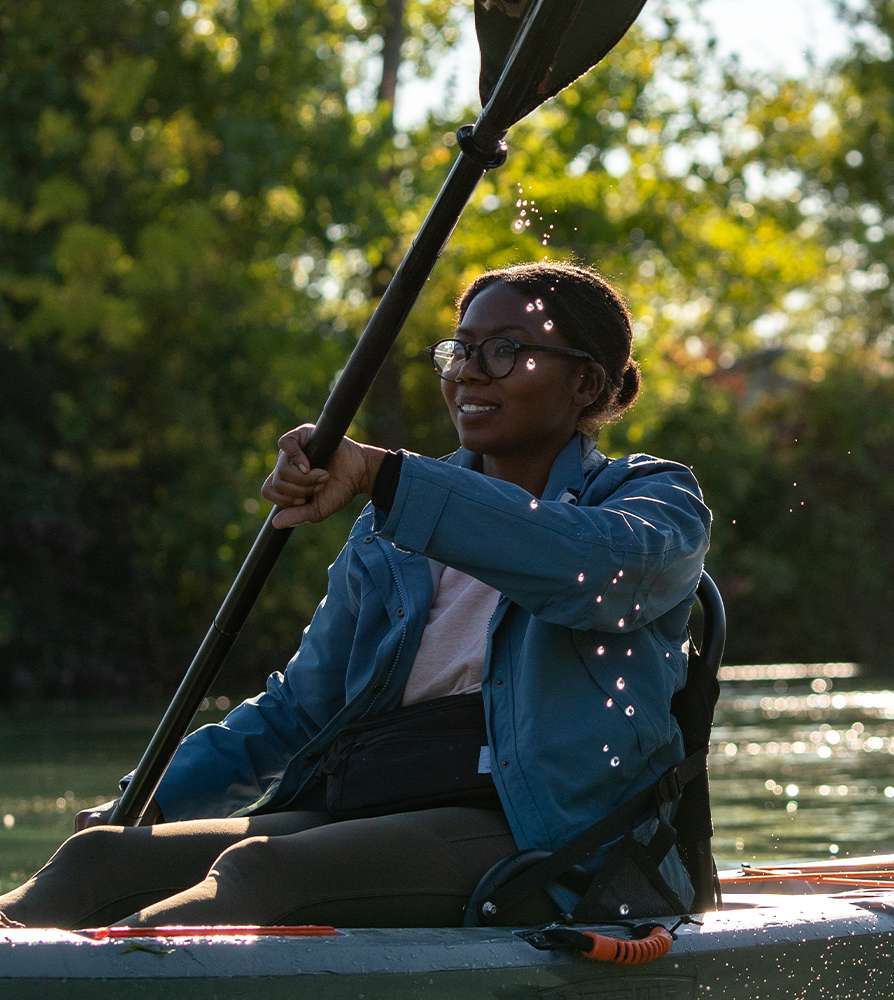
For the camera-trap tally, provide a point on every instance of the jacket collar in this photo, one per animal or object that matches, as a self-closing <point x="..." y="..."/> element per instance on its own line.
<point x="568" y="473"/>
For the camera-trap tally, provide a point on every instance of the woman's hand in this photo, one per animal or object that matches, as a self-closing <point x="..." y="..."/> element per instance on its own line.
<point x="310" y="495"/>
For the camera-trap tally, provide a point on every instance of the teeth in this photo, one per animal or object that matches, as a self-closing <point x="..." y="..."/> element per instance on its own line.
<point x="475" y="408"/>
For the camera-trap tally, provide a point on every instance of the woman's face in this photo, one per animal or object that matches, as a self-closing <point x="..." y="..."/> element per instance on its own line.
<point x="534" y="409"/>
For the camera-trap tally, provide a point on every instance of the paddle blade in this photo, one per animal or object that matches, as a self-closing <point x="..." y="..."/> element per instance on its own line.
<point x="567" y="38"/>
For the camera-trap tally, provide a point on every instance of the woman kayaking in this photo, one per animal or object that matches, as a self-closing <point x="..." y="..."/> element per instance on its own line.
<point x="491" y="668"/>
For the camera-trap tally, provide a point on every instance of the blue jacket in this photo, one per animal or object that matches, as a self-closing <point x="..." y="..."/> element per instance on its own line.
<point x="584" y="651"/>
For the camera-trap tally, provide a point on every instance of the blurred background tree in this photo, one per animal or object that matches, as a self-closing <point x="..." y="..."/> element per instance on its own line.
<point x="199" y="203"/>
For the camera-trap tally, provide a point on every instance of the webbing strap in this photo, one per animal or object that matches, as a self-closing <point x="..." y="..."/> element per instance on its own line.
<point x="616" y="824"/>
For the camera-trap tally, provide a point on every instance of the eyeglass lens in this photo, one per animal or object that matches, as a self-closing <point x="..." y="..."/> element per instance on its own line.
<point x="496" y="356"/>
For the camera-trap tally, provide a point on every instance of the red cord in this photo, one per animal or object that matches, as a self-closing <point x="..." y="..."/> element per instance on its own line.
<point x="213" y="930"/>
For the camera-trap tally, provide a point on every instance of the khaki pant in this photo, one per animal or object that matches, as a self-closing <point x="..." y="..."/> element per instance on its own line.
<point x="413" y="869"/>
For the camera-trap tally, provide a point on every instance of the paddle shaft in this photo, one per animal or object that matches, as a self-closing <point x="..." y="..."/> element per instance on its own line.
<point x="338" y="412"/>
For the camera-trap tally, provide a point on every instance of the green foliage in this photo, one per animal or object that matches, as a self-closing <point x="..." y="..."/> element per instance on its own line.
<point x="199" y="202"/>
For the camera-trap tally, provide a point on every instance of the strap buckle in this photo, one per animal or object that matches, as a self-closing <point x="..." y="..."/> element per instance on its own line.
<point x="669" y="786"/>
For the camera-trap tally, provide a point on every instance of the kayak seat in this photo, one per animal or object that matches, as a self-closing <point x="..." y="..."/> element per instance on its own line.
<point x="693" y="705"/>
<point x="514" y="878"/>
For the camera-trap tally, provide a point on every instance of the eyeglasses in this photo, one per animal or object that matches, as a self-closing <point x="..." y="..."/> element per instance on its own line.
<point x="496" y="356"/>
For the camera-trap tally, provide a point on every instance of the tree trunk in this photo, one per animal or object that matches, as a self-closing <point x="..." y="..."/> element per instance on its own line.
<point x="384" y="407"/>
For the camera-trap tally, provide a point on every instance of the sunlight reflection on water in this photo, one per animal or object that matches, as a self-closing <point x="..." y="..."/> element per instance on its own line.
<point x="801" y="763"/>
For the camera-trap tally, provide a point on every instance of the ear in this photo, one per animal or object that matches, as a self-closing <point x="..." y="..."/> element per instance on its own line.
<point x="588" y="385"/>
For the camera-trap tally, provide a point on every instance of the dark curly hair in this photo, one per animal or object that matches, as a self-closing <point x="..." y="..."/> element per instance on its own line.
<point x="591" y="315"/>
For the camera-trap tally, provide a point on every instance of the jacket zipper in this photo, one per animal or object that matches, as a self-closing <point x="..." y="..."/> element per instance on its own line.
<point x="403" y="635"/>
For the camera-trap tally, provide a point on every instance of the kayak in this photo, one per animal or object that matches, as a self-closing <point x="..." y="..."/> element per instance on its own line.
<point x="821" y="930"/>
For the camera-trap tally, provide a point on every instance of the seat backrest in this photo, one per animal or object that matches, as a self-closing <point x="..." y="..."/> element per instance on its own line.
<point x="693" y="707"/>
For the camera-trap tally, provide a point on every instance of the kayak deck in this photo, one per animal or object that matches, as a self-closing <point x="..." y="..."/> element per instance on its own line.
<point x="763" y="945"/>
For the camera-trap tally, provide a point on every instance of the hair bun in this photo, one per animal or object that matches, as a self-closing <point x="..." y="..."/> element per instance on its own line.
<point x="630" y="384"/>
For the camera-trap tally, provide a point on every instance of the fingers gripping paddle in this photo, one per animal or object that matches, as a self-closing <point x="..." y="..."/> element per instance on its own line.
<point x="529" y="51"/>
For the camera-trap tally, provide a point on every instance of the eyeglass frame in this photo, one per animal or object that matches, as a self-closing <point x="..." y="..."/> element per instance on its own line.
<point x="469" y="349"/>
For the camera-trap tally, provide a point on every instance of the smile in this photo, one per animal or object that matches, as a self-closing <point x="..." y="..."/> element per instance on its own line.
<point x="476" y="407"/>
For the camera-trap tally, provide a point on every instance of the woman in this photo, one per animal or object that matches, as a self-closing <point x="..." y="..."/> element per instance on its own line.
<point x="526" y="598"/>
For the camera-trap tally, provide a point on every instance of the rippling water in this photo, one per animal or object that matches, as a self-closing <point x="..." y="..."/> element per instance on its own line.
<point x="802" y="768"/>
<point x="802" y="764"/>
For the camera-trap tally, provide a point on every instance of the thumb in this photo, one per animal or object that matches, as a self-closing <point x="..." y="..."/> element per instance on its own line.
<point x="288" y="444"/>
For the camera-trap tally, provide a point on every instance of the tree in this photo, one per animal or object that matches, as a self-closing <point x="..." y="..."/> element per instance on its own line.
<point x="199" y="205"/>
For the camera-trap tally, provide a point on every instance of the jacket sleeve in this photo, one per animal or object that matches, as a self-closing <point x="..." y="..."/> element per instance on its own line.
<point x="613" y="565"/>
<point x="222" y="767"/>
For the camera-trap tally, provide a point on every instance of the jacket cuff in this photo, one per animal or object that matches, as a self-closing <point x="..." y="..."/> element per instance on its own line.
<point x="423" y="489"/>
<point x="385" y="485"/>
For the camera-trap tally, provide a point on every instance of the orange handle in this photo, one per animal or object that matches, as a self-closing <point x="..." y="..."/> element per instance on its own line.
<point x="624" y="952"/>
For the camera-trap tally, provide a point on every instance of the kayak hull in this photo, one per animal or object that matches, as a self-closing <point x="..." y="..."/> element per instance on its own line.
<point x="763" y="946"/>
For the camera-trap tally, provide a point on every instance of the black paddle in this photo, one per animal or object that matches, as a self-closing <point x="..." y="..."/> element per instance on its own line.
<point x="529" y="51"/>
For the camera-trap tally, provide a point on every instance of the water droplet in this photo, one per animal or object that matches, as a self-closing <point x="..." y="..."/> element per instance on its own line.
<point x="529" y="308"/>
<point x="623" y="909"/>
<point x="667" y="656"/>
<point x="599" y="598"/>
<point x="518" y="203"/>
<point x="620" y="572"/>
<point x="834" y="848"/>
<point x="629" y="711"/>
<point x="605" y="748"/>
<point x="539" y="304"/>
<point x="9" y="821"/>
<point x="615" y="761"/>
<point x="523" y="213"/>
<point x="548" y="325"/>
<point x="580" y="578"/>
<point x="734" y="520"/>
<point x="609" y="702"/>
<point x="629" y="652"/>
<point x="614" y="579"/>
<point x="636" y="607"/>
<point x="530" y="364"/>
<point x="620" y="623"/>
<point x="600" y="650"/>
<point x="518" y="225"/>
<point x="620" y="683"/>
<point x="527" y="222"/>
<point x="794" y="484"/>
<point x="534" y="504"/>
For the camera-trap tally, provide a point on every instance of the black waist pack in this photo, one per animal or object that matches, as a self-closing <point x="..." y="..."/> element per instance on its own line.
<point x="418" y="757"/>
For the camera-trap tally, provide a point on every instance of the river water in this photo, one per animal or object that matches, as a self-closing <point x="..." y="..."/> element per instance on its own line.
<point x="802" y="767"/>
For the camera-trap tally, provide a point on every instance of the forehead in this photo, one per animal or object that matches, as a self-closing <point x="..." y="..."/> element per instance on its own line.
<point x="508" y="309"/>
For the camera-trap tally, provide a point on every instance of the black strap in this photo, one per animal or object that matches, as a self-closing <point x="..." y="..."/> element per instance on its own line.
<point x="616" y="824"/>
<point x="488" y="159"/>
<point x="646" y="857"/>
